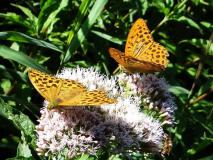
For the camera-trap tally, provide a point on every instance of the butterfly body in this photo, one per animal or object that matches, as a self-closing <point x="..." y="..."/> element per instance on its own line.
<point x="65" y="92"/>
<point x="141" y="54"/>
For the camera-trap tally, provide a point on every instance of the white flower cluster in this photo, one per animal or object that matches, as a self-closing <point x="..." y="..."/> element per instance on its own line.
<point x="153" y="91"/>
<point x="87" y="129"/>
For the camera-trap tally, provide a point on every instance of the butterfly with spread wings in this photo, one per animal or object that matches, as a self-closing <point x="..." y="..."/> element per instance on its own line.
<point x="64" y="92"/>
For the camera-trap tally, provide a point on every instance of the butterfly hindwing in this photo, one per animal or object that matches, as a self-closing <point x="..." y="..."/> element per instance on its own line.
<point x="159" y="54"/>
<point x="118" y="56"/>
<point x="89" y="98"/>
<point x="155" y="54"/>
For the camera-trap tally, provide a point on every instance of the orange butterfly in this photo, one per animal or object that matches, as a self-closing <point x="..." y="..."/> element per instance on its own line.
<point x="142" y="53"/>
<point x="66" y="93"/>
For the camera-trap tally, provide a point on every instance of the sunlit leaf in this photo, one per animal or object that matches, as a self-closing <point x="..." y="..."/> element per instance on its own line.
<point x="81" y="35"/>
<point x="19" y="57"/>
<point x="21" y="37"/>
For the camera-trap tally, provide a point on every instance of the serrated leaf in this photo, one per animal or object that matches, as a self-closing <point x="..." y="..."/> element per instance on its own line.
<point x="23" y="149"/>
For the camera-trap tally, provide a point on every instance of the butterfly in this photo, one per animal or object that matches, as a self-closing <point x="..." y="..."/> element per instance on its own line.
<point x="167" y="145"/>
<point x="65" y="92"/>
<point x="142" y="53"/>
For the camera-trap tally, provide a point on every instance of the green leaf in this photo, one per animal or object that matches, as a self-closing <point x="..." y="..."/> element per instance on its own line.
<point x="5" y="85"/>
<point x="208" y="25"/>
<point x="78" y="19"/>
<point x="144" y="5"/>
<point x="12" y="74"/>
<point x="200" y="43"/>
<point x="191" y="71"/>
<point x="23" y="149"/>
<point x="20" y="121"/>
<point x="177" y="90"/>
<point x="188" y="21"/>
<point x="84" y="157"/>
<point x="21" y="37"/>
<point x="20" y="57"/>
<point x="32" y="18"/>
<point x="207" y="158"/>
<point x="108" y="37"/>
<point x="46" y="8"/>
<point x="81" y="35"/>
<point x="17" y="19"/>
<point x="162" y="6"/>
<point x="27" y="12"/>
<point x="51" y="19"/>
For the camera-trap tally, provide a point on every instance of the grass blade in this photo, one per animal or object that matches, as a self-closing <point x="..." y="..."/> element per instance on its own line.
<point x="19" y="57"/>
<point x="108" y="37"/>
<point x="21" y="37"/>
<point x="83" y="31"/>
<point x="78" y="20"/>
<point x="47" y="25"/>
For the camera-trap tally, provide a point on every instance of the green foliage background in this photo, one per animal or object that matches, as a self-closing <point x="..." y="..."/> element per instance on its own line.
<point x="48" y="35"/>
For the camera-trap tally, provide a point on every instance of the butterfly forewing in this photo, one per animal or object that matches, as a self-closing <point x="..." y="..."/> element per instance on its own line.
<point x="50" y="87"/>
<point x="44" y="83"/>
<point x="139" y="39"/>
<point x="65" y="92"/>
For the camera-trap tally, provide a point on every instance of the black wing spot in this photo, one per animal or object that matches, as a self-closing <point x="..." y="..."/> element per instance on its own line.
<point x="54" y="85"/>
